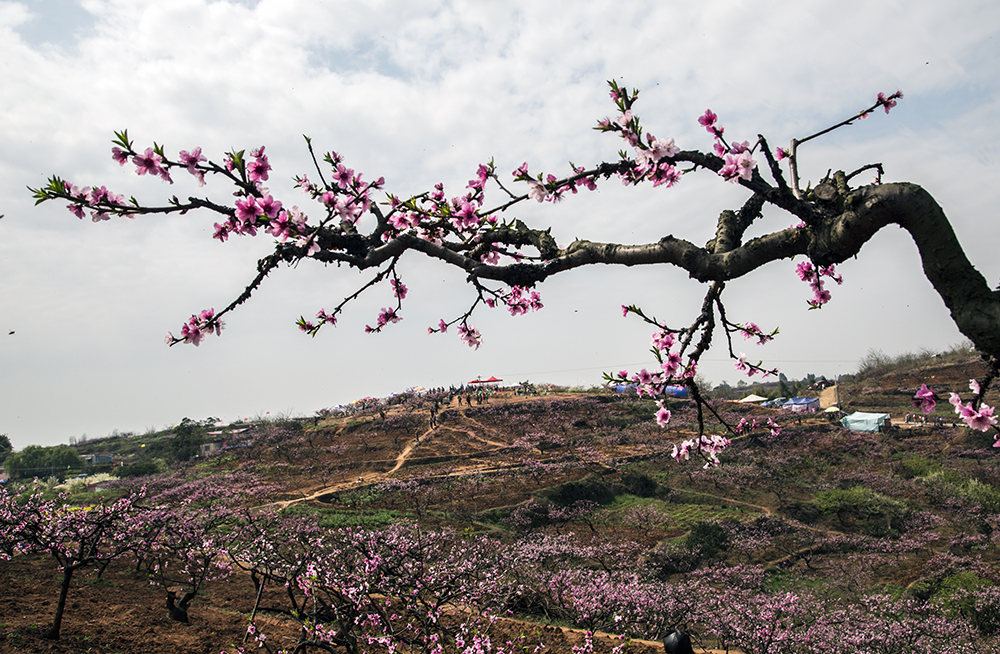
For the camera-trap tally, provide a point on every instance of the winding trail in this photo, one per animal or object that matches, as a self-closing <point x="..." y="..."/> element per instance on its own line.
<point x="401" y="458"/>
<point x="373" y="478"/>
<point x="474" y="434"/>
<point x="764" y="509"/>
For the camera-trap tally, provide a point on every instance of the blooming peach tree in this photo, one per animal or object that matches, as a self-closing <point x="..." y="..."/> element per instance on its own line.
<point x="355" y="222"/>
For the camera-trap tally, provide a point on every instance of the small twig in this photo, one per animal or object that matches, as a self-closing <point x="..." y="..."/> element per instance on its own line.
<point x="256" y="604"/>
<point x="876" y="166"/>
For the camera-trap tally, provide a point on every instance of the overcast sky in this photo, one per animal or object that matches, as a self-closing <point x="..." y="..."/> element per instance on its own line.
<point x="422" y="92"/>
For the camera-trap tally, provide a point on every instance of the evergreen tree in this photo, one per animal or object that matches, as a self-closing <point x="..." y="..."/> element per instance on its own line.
<point x="187" y="440"/>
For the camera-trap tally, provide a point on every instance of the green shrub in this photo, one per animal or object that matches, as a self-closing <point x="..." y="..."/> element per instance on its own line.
<point x="140" y="469"/>
<point x="338" y="519"/>
<point x="985" y="495"/>
<point x="860" y="502"/>
<point x="918" y="466"/>
<point x="961" y="596"/>
<point x="945" y="477"/>
<point x="805" y="512"/>
<point x="639" y="484"/>
<point x="708" y="539"/>
<point x="590" y="488"/>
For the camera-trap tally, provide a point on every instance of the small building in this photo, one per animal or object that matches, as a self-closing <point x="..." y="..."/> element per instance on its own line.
<point x="97" y="459"/>
<point x="213" y="445"/>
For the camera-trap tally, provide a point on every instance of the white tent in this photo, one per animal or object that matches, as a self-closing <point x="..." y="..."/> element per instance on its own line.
<point x="753" y="398"/>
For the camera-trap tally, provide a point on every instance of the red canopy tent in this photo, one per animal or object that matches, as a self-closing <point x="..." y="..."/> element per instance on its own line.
<point x="491" y="380"/>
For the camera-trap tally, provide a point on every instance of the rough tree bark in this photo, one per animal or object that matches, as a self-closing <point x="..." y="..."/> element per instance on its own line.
<point x="839" y="228"/>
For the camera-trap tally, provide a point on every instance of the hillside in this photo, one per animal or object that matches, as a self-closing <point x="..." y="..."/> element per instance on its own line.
<point x="891" y="388"/>
<point x="609" y="533"/>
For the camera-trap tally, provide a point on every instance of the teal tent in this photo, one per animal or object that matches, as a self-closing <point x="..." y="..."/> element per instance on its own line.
<point x="859" y="421"/>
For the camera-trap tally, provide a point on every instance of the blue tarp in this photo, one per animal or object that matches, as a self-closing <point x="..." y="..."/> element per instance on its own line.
<point x="669" y="391"/>
<point x="675" y="391"/>
<point x="802" y="404"/>
<point x="860" y="421"/>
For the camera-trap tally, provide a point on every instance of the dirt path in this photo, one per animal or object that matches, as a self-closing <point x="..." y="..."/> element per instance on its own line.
<point x="373" y="478"/>
<point x="471" y="429"/>
<point x="766" y="510"/>
<point x="407" y="451"/>
<point x="474" y="434"/>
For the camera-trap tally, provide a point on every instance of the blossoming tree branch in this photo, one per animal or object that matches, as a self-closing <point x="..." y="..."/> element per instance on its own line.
<point x="354" y="222"/>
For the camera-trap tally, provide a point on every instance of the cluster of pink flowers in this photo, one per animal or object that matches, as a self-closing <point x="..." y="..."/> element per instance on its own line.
<point x="980" y="419"/>
<point x="385" y="317"/>
<point x="813" y="275"/>
<point x="431" y="215"/>
<point x="347" y="199"/>
<point x="470" y="335"/>
<point x="93" y="197"/>
<point x="738" y="158"/>
<point x="654" y="384"/>
<point x="662" y="341"/>
<point x="752" y="369"/>
<point x="196" y="328"/>
<point x="662" y="414"/>
<point x="751" y="330"/>
<point x="259" y="168"/>
<point x="252" y="211"/>
<point x="748" y="426"/>
<point x="150" y="162"/>
<point x="708" y="446"/>
<point x="925" y="399"/>
<point x="519" y="301"/>
<point x="322" y="316"/>
<point x="888" y="102"/>
<point x="287" y="224"/>
<point x="652" y="158"/>
<point x="552" y="190"/>
<point x="190" y="160"/>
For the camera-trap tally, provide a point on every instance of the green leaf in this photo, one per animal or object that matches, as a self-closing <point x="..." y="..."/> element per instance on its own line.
<point x="121" y="138"/>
